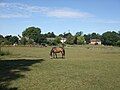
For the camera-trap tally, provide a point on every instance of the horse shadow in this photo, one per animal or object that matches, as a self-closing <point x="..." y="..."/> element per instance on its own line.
<point x="10" y="70"/>
<point x="59" y="58"/>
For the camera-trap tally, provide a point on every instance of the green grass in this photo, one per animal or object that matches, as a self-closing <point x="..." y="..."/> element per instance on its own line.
<point x="84" y="68"/>
<point x="2" y="53"/>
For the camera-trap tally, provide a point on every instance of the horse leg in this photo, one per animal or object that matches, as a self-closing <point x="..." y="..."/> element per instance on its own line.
<point x="56" y="55"/>
<point x="63" y="56"/>
<point x="50" y="57"/>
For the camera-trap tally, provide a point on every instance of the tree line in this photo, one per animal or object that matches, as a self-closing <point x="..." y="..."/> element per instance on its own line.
<point x="33" y="36"/>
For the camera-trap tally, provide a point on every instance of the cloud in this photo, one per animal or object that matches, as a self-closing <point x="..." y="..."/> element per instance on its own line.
<point x="109" y="21"/>
<point x="13" y="10"/>
<point x="105" y="21"/>
<point x="14" y="15"/>
<point x="68" y="13"/>
<point x="19" y="10"/>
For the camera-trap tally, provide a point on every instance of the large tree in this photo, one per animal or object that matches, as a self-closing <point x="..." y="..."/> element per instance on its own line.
<point x="95" y="36"/>
<point x="70" y="39"/>
<point x="119" y="33"/>
<point x="110" y="38"/>
<point x="32" y="33"/>
<point x="66" y="35"/>
<point x="1" y="39"/>
<point x="79" y="33"/>
<point x="50" y="35"/>
<point x="14" y="39"/>
<point x="23" y="41"/>
<point x="87" y="38"/>
<point x="8" y="37"/>
<point x="80" y="40"/>
<point x="41" y="39"/>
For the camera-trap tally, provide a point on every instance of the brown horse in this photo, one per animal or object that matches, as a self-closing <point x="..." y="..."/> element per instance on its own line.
<point x="55" y="50"/>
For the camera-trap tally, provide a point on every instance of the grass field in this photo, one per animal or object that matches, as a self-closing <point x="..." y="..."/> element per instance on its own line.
<point x="84" y="68"/>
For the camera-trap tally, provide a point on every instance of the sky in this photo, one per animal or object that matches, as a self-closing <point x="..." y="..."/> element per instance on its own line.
<point x="59" y="16"/>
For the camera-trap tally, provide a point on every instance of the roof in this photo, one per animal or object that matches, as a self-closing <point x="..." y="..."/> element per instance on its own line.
<point x="50" y="39"/>
<point x="95" y="40"/>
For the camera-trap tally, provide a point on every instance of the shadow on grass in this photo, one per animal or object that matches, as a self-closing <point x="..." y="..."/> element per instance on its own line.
<point x="58" y="58"/>
<point x="10" y="70"/>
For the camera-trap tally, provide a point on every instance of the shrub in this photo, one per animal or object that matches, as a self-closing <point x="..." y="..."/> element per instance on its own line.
<point x="118" y="43"/>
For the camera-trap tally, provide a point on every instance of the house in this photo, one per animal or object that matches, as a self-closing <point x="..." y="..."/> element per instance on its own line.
<point x="95" y="42"/>
<point x="50" y="39"/>
<point x="63" y="40"/>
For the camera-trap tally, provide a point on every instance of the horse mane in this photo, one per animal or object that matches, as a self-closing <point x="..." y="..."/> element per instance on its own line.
<point x="63" y="50"/>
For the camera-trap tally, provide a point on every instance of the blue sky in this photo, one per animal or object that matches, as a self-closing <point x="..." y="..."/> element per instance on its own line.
<point x="59" y="16"/>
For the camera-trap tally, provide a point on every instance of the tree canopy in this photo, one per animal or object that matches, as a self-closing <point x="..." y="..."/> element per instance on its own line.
<point x="110" y="38"/>
<point x="32" y="35"/>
